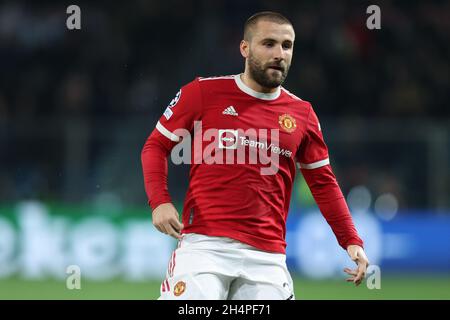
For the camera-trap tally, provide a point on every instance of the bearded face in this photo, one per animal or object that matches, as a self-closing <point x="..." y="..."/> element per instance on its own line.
<point x="268" y="47"/>
<point x="269" y="74"/>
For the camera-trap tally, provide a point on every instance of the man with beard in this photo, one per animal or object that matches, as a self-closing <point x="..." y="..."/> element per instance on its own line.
<point x="231" y="242"/>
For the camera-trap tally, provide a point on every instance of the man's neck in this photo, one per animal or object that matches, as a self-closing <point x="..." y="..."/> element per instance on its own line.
<point x="252" y="84"/>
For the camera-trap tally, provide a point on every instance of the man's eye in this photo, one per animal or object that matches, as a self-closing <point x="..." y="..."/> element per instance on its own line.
<point x="268" y="44"/>
<point x="287" y="46"/>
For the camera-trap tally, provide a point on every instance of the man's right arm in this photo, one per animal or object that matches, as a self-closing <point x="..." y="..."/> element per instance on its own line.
<point x="154" y="164"/>
<point x="181" y="113"/>
<point x="155" y="169"/>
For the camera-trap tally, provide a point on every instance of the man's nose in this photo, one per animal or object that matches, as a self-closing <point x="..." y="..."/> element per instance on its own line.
<point x="278" y="53"/>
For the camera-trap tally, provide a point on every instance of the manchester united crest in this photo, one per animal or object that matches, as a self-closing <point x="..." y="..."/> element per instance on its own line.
<point x="179" y="288"/>
<point x="287" y="123"/>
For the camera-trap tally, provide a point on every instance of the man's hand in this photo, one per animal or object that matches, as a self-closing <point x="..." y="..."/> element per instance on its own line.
<point x="165" y="219"/>
<point x="358" y="255"/>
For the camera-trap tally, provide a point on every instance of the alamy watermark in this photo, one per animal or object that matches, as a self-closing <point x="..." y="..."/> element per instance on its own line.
<point x="73" y="21"/>
<point x="229" y="146"/>
<point x="374" y="20"/>
<point x="373" y="278"/>
<point x="73" y="280"/>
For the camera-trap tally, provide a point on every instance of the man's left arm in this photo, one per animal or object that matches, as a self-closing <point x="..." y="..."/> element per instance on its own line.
<point x="332" y="205"/>
<point x="316" y="169"/>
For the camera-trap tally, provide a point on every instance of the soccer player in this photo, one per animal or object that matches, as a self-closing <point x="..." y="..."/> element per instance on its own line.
<point x="253" y="133"/>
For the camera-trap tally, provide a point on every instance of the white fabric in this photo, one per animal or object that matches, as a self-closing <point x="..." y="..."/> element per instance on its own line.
<point x="314" y="165"/>
<point x="167" y="133"/>
<point x="264" y="96"/>
<point x="219" y="268"/>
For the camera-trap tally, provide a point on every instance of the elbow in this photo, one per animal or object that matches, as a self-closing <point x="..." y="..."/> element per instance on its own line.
<point x="154" y="147"/>
<point x="146" y="150"/>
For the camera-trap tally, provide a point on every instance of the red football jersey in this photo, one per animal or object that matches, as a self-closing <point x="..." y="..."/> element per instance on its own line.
<point x="244" y="152"/>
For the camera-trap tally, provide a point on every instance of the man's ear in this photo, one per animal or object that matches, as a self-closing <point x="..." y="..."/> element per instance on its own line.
<point x="244" y="48"/>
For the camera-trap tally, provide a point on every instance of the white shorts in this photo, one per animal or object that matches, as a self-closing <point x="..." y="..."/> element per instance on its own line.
<point x="220" y="268"/>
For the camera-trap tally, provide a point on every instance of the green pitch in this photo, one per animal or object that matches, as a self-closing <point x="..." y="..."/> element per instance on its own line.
<point x="412" y="287"/>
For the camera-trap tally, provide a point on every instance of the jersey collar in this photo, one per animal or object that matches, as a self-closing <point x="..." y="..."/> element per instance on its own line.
<point x="264" y="96"/>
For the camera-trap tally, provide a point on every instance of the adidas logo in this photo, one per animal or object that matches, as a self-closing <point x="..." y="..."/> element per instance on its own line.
<point x="230" y="111"/>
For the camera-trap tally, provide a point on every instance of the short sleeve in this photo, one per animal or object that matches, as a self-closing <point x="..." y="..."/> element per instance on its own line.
<point x="181" y="112"/>
<point x="313" y="152"/>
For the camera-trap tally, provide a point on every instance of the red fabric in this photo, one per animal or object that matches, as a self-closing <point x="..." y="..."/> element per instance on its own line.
<point x="235" y="200"/>
<point x="154" y="165"/>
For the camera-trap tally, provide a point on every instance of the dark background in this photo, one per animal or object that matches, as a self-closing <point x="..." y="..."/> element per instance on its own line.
<point x="77" y="105"/>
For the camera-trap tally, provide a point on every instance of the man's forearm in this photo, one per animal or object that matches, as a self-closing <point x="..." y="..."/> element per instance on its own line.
<point x="332" y="204"/>
<point x="155" y="170"/>
<point x="338" y="217"/>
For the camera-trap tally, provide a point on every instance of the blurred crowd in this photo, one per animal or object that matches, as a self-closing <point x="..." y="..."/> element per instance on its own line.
<point x="129" y="59"/>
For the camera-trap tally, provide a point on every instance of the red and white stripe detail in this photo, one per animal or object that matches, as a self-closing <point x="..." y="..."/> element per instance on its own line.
<point x="172" y="261"/>
<point x="313" y="165"/>
<point x="169" y="135"/>
<point x="165" y="286"/>
<point x="171" y="264"/>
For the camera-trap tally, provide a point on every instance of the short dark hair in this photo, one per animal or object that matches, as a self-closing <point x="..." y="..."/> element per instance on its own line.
<point x="264" y="15"/>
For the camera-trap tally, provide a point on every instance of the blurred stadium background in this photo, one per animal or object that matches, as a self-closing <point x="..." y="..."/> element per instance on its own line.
<point x="77" y="106"/>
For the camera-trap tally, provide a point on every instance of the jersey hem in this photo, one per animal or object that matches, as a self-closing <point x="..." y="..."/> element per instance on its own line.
<point x="236" y="235"/>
